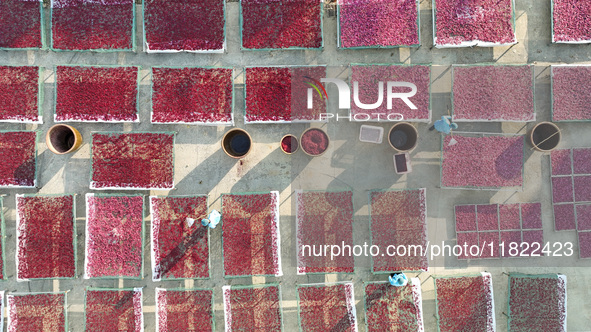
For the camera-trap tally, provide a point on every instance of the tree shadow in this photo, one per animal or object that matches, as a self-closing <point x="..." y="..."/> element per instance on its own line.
<point x="508" y="170"/>
<point x="204" y="177"/>
<point x="170" y="260"/>
<point x="123" y="300"/>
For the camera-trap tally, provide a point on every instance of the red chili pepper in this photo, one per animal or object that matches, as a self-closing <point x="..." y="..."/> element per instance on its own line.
<point x="114" y="236"/>
<point x="110" y="310"/>
<point x="18" y="158"/>
<point x="20" y="25"/>
<point x="90" y="25"/>
<point x="192" y="95"/>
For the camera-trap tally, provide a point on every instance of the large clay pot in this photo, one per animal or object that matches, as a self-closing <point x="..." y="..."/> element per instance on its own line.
<point x="294" y="144"/>
<point x="311" y="147"/>
<point x="62" y="139"/>
<point x="403" y="137"/>
<point x="237" y="143"/>
<point x="545" y="136"/>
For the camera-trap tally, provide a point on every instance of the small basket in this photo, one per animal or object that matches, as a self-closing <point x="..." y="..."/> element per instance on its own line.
<point x="371" y="134"/>
<point x="402" y="163"/>
<point x="294" y="148"/>
<point x="302" y="139"/>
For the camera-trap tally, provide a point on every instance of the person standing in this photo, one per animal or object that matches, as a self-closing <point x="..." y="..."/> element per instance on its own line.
<point x="444" y="125"/>
<point x="398" y="279"/>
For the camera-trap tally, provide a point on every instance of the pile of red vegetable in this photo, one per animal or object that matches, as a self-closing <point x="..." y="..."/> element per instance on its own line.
<point x="289" y="144"/>
<point x="270" y="24"/>
<point x="99" y="94"/>
<point x="571" y="21"/>
<point x="493" y="93"/>
<point x="20" y="24"/>
<point x="378" y="23"/>
<point x="478" y="22"/>
<point x="37" y="312"/>
<point x="314" y="142"/>
<point x="114" y="235"/>
<point x="465" y="303"/>
<point x="481" y="225"/>
<point x="19" y="157"/>
<point x="19" y="94"/>
<point x="393" y="308"/>
<point x="179" y="250"/>
<point x="368" y="78"/>
<point x="279" y="94"/>
<point x="184" y="310"/>
<point x="482" y="162"/>
<point x="570" y="96"/>
<point x="42" y="251"/>
<point x="192" y="95"/>
<point x="92" y="25"/>
<point x="251" y="234"/>
<point x="537" y="302"/>
<point x="327" y="307"/>
<point x="252" y="308"/>
<point x="324" y="218"/>
<point x="571" y="194"/>
<point x="399" y="218"/>
<point x="570" y="184"/>
<point x="114" y="310"/>
<point x="132" y="160"/>
<point x="190" y="25"/>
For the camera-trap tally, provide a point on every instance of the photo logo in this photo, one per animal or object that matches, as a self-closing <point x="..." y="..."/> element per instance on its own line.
<point x="345" y="93"/>
<point x="314" y="84"/>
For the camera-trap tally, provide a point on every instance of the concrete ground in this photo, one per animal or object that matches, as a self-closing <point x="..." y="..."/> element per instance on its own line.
<point x="201" y="167"/>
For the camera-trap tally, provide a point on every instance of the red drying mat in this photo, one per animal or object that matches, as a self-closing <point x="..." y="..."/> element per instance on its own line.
<point x="193" y="25"/>
<point x="570" y="22"/>
<point x="184" y="310"/>
<point x="20" y="24"/>
<point x="179" y="250"/>
<point x="368" y="78"/>
<point x="18" y="159"/>
<point x="114" y="236"/>
<point x="252" y="308"/>
<point x="537" y="302"/>
<point x="106" y="25"/>
<point x="398" y="218"/>
<point x="327" y="307"/>
<point x="569" y="96"/>
<point x="132" y="161"/>
<point x="465" y="303"/>
<point x="250" y="228"/>
<point x="114" y="310"/>
<point x="192" y="95"/>
<point x="36" y="312"/>
<point x="324" y="218"/>
<point x="19" y="94"/>
<point x="493" y="93"/>
<point x="398" y="308"/>
<point x="271" y="24"/>
<point x="381" y="23"/>
<point x="280" y="94"/>
<point x="45" y="237"/>
<point x="482" y="162"/>
<point x="467" y="24"/>
<point x="96" y="94"/>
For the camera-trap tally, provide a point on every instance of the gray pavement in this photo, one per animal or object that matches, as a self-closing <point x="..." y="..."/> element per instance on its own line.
<point x="201" y="167"/>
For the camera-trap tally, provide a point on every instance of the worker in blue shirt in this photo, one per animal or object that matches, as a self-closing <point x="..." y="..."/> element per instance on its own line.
<point x="444" y="125"/>
<point x="398" y="279"/>
<point x="213" y="219"/>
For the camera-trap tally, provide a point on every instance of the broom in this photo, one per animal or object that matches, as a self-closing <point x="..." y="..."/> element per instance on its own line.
<point x="452" y="141"/>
